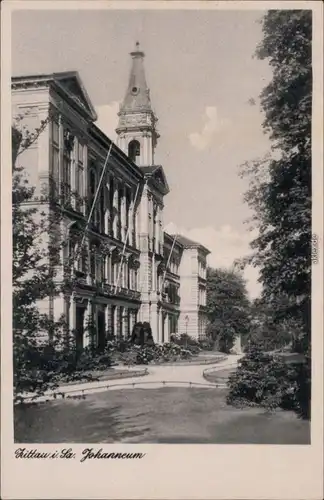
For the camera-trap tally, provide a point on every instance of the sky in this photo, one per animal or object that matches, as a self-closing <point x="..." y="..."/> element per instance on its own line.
<point x="201" y="73"/>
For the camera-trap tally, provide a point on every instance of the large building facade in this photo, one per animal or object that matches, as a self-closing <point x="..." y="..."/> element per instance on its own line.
<point x="128" y="269"/>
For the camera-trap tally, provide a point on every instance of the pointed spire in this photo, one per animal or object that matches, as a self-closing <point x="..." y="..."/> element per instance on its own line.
<point x="137" y="96"/>
<point x="137" y="52"/>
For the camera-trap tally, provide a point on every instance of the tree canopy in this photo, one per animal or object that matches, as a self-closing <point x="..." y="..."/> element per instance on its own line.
<point x="280" y="189"/>
<point x="228" y="306"/>
<point x="40" y="340"/>
<point x="280" y="192"/>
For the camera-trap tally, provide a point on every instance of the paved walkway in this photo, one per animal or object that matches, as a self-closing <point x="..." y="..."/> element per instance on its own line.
<point x="158" y="376"/>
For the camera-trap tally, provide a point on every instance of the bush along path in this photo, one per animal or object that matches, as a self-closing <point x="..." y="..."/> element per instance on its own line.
<point x="53" y="369"/>
<point x="158" y="376"/>
<point x="125" y="357"/>
<point x="265" y="380"/>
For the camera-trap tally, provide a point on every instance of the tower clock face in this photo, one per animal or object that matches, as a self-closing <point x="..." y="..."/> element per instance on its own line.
<point x="135" y="90"/>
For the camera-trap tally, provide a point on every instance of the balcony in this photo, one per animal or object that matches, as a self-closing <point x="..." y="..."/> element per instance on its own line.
<point x="81" y="278"/>
<point x="122" y="292"/>
<point x="168" y="299"/>
<point x="129" y="294"/>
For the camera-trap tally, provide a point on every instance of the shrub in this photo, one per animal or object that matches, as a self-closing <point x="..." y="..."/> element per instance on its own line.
<point x="263" y="380"/>
<point x="206" y="344"/>
<point x="189" y="343"/>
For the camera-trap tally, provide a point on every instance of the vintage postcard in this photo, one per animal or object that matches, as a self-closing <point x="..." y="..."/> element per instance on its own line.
<point x="162" y="250"/>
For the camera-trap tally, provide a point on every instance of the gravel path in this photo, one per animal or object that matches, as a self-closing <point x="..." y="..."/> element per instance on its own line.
<point x="158" y="376"/>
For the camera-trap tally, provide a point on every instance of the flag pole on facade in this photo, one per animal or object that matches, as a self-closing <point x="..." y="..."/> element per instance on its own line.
<point x="93" y="204"/>
<point x="125" y="243"/>
<point x="168" y="261"/>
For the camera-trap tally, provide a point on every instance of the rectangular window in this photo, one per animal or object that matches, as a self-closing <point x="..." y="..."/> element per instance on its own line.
<point x="103" y="268"/>
<point x="92" y="264"/>
<point x="83" y="260"/>
<point x="55" y="132"/>
<point x="98" y="267"/>
<point x="55" y="168"/>
<point x="102" y="210"/>
<point x="79" y="177"/>
<point x="80" y="153"/>
<point x="113" y="273"/>
<point x="66" y="178"/>
<point x="79" y="193"/>
<point x="55" y="157"/>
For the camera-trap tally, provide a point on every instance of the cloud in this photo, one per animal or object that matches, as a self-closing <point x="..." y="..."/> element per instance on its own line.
<point x="108" y="118"/>
<point x="226" y="245"/>
<point x="213" y="125"/>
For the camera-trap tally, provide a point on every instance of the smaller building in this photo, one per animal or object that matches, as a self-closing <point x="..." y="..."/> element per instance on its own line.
<point x="185" y="286"/>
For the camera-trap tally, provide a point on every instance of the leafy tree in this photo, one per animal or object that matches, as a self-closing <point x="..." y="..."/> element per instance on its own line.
<point x="43" y="348"/>
<point x="228" y="307"/>
<point x="267" y="332"/>
<point x="280" y="183"/>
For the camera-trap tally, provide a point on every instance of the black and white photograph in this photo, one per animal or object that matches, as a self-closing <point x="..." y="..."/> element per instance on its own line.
<point x="164" y="243"/>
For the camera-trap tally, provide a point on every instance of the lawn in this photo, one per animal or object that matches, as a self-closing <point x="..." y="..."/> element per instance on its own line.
<point x="219" y="376"/>
<point x="167" y="415"/>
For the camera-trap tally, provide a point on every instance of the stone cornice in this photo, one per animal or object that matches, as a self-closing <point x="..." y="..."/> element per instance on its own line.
<point x="53" y="81"/>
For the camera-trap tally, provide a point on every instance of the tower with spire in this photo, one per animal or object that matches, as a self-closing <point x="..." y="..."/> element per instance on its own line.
<point x="136" y="132"/>
<point x="137" y="137"/>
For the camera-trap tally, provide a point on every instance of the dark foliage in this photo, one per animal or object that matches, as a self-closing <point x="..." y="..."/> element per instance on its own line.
<point x="228" y="307"/>
<point x="281" y="184"/>
<point x="264" y="380"/>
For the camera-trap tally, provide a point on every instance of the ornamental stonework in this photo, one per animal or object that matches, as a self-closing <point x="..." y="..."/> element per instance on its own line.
<point x="134" y="119"/>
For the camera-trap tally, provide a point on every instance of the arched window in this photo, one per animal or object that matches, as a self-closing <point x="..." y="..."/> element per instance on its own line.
<point x="134" y="149"/>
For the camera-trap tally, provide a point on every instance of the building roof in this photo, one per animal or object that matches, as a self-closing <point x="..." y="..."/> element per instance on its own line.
<point x="150" y="169"/>
<point x="169" y="239"/>
<point x="137" y="97"/>
<point x="188" y="243"/>
<point x="69" y="82"/>
<point x="156" y="174"/>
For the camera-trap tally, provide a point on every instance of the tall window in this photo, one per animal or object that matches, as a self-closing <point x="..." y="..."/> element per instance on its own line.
<point x="79" y="176"/>
<point x="67" y="150"/>
<point x="55" y="156"/>
<point x="83" y="260"/>
<point x="92" y="193"/>
<point x="120" y="196"/>
<point x="154" y="232"/>
<point x="102" y="209"/>
<point x="134" y="149"/>
<point x="71" y="251"/>
<point x="103" y="274"/>
<point x="76" y="252"/>
<point x="108" y="267"/>
<point x="111" y="206"/>
<point x="93" y="262"/>
<point x="128" y="215"/>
